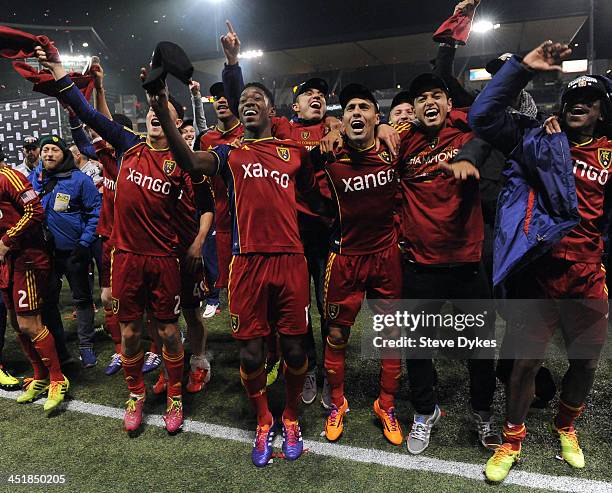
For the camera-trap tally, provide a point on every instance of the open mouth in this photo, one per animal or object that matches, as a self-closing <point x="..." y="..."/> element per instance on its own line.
<point x="250" y="112"/>
<point x="578" y="110"/>
<point x="222" y="107"/>
<point x="432" y="113"/>
<point x="316" y="105"/>
<point x="155" y="122"/>
<point x="357" y="125"/>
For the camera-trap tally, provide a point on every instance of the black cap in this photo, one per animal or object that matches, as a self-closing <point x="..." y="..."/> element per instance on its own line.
<point x="186" y="123"/>
<point x="123" y="120"/>
<point x="30" y="142"/>
<point x="168" y="58"/>
<point x="217" y="90"/>
<point x="401" y="98"/>
<point x="593" y="84"/>
<point x="56" y="141"/>
<point x="314" y="83"/>
<point x="494" y="65"/>
<point x="356" y="91"/>
<point x="426" y="82"/>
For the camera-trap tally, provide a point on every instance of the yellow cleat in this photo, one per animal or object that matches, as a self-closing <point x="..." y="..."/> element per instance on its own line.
<point x="32" y="390"/>
<point x="499" y="465"/>
<point x="334" y="424"/>
<point x="272" y="373"/>
<point x="391" y="426"/>
<point x="57" y="390"/>
<point x="570" y="450"/>
<point x="8" y="381"/>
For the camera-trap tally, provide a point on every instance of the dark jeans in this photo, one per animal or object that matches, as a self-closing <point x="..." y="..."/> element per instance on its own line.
<point x="211" y="267"/>
<point x="80" y="287"/>
<point x="460" y="282"/>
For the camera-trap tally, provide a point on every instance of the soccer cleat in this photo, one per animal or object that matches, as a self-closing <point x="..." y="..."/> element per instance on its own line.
<point x="326" y="394"/>
<point x="132" y="419"/>
<point x="8" y="381"/>
<point x="32" y="390"/>
<point x="87" y="357"/>
<point x="151" y="362"/>
<point x="334" y="424"/>
<point x="570" y="449"/>
<point x="500" y="463"/>
<point x="174" y="415"/>
<point x="114" y="366"/>
<point x="391" y="425"/>
<point x="272" y="372"/>
<point x="197" y="379"/>
<point x="161" y="385"/>
<point x="488" y="437"/>
<point x="262" y="446"/>
<point x="292" y="439"/>
<point x="309" y="392"/>
<point x="57" y="391"/>
<point x="418" y="438"/>
<point x="210" y="310"/>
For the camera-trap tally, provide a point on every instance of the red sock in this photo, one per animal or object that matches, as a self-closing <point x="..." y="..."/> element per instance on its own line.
<point x="294" y="383"/>
<point x="40" y="370"/>
<point x="45" y="347"/>
<point x="255" y="385"/>
<point x="566" y="415"/>
<point x="132" y="369"/>
<point x="390" y="373"/>
<point x="111" y="324"/>
<point x="174" y="364"/>
<point x="334" y="367"/>
<point x="514" y="434"/>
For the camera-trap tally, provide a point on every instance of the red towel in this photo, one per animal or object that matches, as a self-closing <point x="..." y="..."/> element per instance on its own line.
<point x="16" y="44"/>
<point x="456" y="29"/>
<point x="44" y="82"/>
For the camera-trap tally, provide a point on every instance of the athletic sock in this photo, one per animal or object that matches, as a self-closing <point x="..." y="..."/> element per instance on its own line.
<point x="334" y="366"/>
<point x="566" y="415"/>
<point x="294" y="383"/>
<point x="40" y="370"/>
<point x="45" y="347"/>
<point x="196" y="362"/>
<point x="255" y="385"/>
<point x="514" y="434"/>
<point x="111" y="324"/>
<point x="390" y="373"/>
<point x="174" y="364"/>
<point x="132" y="369"/>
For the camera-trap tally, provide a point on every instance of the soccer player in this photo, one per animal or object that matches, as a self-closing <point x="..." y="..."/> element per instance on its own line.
<point x="568" y="173"/>
<point x="364" y="256"/>
<point x="24" y="273"/>
<point x="401" y="110"/>
<point x="268" y="277"/>
<point x="145" y="266"/>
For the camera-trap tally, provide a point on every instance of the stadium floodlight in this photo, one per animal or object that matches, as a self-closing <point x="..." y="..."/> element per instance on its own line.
<point x="75" y="58"/>
<point x="484" y="26"/>
<point x="250" y="54"/>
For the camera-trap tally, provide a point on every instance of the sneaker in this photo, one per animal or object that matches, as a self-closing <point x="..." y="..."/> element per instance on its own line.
<point x="309" y="392"/>
<point x="114" y="366"/>
<point x="262" y="446"/>
<point x="8" y="381"/>
<point x="488" y="437"/>
<point x="570" y="449"/>
<point x="161" y="385"/>
<point x="198" y="379"/>
<point x="32" y="390"/>
<point x="132" y="419"/>
<point x="272" y="372"/>
<point x="500" y="463"/>
<point x="334" y="424"/>
<point x="88" y="357"/>
<point x="174" y="415"/>
<point x="210" y="311"/>
<point x="151" y="362"/>
<point x="57" y="391"/>
<point x="391" y="425"/>
<point x="326" y="401"/>
<point x="292" y="439"/>
<point x="418" y="438"/>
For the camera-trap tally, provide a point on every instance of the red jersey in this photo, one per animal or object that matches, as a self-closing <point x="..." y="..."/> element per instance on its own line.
<point x="194" y="199"/>
<point x="441" y="218"/>
<point x="106" y="156"/>
<point x="211" y="139"/>
<point x="262" y="177"/>
<point x="364" y="185"/>
<point x="148" y="186"/>
<point x="584" y="243"/>
<point x="21" y="218"/>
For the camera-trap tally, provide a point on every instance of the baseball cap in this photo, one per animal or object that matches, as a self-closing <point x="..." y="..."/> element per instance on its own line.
<point x="30" y="142"/>
<point x="168" y="58"/>
<point x="356" y="91"/>
<point x="217" y="90"/>
<point x="400" y="98"/>
<point x="494" y="65"/>
<point x="589" y="83"/>
<point x="186" y="123"/>
<point x="426" y="82"/>
<point x="314" y="83"/>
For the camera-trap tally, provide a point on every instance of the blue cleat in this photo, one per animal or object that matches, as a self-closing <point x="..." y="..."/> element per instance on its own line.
<point x="114" y="366"/>
<point x="87" y="357"/>
<point x="292" y="439"/>
<point x="262" y="447"/>
<point x="151" y="362"/>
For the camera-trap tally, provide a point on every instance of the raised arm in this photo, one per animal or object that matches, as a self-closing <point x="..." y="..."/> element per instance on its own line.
<point x="233" y="83"/>
<point x="80" y="138"/>
<point x="98" y="75"/>
<point x="199" y="117"/>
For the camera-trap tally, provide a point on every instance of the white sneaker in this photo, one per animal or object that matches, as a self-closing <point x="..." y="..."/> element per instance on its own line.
<point x="418" y="439"/>
<point x="210" y="311"/>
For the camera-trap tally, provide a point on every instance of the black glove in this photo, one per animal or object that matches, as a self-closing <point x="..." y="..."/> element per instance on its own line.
<point x="81" y="254"/>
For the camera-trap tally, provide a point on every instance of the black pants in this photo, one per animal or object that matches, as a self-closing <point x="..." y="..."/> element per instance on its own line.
<point x="460" y="282"/>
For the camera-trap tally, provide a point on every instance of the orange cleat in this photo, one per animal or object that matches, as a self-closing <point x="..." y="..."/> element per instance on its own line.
<point x="334" y="424"/>
<point x="391" y="426"/>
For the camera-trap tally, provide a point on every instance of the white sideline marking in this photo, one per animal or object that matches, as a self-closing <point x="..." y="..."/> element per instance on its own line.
<point x="357" y="454"/>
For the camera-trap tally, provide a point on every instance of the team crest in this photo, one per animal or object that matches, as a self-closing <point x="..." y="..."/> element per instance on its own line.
<point x="385" y="156"/>
<point x="305" y="135"/>
<point x="169" y="166"/>
<point x="115" y="306"/>
<point x="235" y="322"/>
<point x="433" y="143"/>
<point x="605" y="157"/>
<point x="283" y="153"/>
<point x="332" y="310"/>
